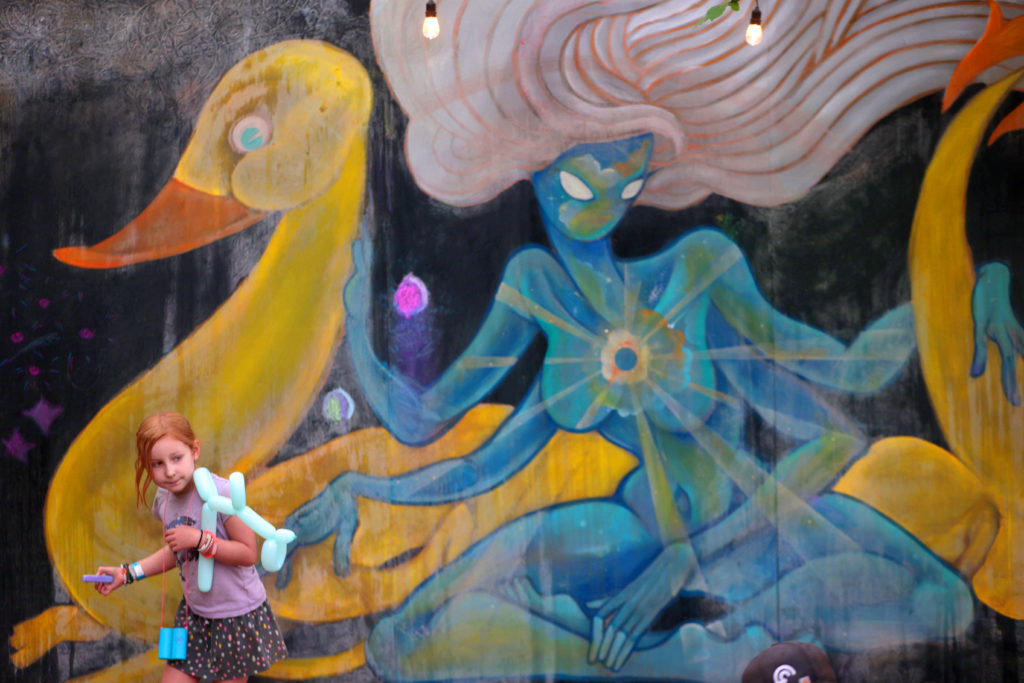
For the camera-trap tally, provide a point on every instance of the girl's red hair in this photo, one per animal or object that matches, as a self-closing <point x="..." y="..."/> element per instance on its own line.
<point x="152" y="429"/>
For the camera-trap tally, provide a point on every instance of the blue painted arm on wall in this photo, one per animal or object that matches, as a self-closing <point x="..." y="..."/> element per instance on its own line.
<point x="417" y="415"/>
<point x="867" y="364"/>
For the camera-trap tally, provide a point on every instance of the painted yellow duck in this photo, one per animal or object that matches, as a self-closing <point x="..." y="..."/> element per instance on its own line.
<point x="284" y="130"/>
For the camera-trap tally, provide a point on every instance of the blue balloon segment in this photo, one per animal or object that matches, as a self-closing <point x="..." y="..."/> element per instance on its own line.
<point x="269" y="556"/>
<point x="274" y="548"/>
<point x="204" y="483"/>
<point x="209" y="518"/>
<point x="205" y="571"/>
<point x="237" y="481"/>
<point x="205" y="574"/>
<point x="257" y="523"/>
<point x="222" y="504"/>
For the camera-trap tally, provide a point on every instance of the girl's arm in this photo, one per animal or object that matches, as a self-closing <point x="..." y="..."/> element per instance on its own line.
<point x="154" y="564"/>
<point x="239" y="548"/>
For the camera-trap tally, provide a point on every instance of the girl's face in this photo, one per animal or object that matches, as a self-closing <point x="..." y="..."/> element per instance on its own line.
<point x="172" y="462"/>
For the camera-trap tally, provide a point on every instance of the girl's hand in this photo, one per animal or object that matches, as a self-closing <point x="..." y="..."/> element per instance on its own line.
<point x="182" y="538"/>
<point x="108" y="588"/>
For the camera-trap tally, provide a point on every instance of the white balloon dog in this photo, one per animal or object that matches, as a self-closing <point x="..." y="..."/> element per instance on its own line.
<point x="277" y="540"/>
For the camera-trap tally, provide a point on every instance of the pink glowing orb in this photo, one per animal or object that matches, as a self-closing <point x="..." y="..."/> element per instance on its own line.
<point x="411" y="296"/>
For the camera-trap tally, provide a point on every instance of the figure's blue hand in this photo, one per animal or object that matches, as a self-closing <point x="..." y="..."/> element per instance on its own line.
<point x="623" y="619"/>
<point x="357" y="290"/>
<point x="333" y="510"/>
<point x="994" y="319"/>
<point x="396" y="400"/>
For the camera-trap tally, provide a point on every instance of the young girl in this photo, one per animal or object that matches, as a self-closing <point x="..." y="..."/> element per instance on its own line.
<point x="232" y="634"/>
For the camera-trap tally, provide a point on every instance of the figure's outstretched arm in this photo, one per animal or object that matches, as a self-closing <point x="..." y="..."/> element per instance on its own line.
<point x="510" y="448"/>
<point x="519" y="438"/>
<point x="414" y="414"/>
<point x="827" y="442"/>
<point x="994" y="319"/>
<point x="712" y="261"/>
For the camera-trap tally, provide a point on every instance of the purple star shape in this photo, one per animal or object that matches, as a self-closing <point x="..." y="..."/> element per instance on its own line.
<point x="43" y="413"/>
<point x="17" y="446"/>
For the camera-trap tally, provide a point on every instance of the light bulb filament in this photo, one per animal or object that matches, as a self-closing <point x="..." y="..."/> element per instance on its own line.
<point x="431" y="29"/>
<point x="754" y="33"/>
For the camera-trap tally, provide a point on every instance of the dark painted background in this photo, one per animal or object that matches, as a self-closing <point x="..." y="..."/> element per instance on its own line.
<point x="98" y="99"/>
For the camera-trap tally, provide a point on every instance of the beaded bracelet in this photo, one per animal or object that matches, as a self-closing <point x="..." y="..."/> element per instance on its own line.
<point x="126" y="576"/>
<point x="212" y="549"/>
<point x="206" y="543"/>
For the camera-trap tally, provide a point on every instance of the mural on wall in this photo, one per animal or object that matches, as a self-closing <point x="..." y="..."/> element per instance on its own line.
<point x="559" y="536"/>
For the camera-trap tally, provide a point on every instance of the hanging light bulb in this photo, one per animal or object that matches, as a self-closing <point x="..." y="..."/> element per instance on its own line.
<point x="754" y="32"/>
<point x="431" y="29"/>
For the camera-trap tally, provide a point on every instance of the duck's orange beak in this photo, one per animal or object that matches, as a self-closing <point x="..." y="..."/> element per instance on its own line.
<point x="180" y="219"/>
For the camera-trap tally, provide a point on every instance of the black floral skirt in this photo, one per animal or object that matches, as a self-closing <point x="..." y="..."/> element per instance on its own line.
<point x="221" y="649"/>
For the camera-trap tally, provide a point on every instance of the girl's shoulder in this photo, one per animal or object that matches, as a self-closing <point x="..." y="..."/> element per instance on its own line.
<point x="158" y="501"/>
<point x="222" y="484"/>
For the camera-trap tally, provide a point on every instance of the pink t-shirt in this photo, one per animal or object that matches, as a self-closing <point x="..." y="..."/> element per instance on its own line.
<point x="235" y="590"/>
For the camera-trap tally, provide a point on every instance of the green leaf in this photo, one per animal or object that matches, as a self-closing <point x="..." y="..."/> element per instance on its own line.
<point x="716" y="11"/>
<point x="713" y="13"/>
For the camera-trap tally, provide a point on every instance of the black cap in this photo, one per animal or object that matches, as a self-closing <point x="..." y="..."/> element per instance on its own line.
<point x="790" y="662"/>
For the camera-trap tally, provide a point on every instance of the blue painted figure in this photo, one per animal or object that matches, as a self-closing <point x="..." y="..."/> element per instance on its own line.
<point x="666" y="356"/>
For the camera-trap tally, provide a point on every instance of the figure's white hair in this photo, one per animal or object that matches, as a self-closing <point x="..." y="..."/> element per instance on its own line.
<point x="511" y="84"/>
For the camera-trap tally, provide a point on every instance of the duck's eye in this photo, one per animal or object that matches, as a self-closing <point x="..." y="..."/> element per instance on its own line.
<point x="250" y="133"/>
<point x="574" y="187"/>
<point x="632" y="189"/>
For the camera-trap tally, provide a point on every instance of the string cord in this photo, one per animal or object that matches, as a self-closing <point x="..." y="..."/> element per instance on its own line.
<point x="163" y="562"/>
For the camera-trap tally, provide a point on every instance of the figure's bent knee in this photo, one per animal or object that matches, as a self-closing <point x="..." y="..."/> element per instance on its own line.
<point x="383" y="654"/>
<point x="945" y="607"/>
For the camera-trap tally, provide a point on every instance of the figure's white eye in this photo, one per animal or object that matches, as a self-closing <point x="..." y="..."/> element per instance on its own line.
<point x="574" y="187"/>
<point x="632" y="189"/>
<point x="250" y="133"/>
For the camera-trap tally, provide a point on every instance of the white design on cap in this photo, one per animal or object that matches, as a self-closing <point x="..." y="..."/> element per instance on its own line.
<point x="782" y="673"/>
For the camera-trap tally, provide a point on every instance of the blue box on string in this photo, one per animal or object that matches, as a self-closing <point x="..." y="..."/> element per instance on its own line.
<point x="173" y="643"/>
